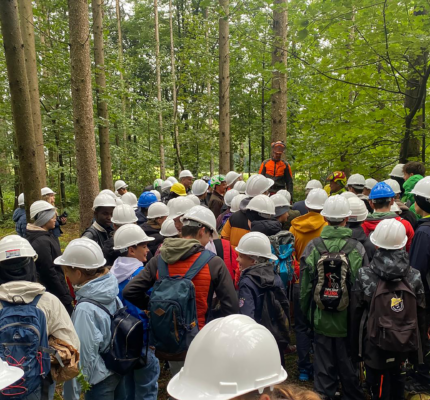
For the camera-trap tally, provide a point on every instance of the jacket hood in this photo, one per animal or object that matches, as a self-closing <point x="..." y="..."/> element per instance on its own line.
<point x="24" y="290"/>
<point x="34" y="231"/>
<point x="175" y="249"/>
<point x="124" y="267"/>
<point x="267" y="227"/>
<point x="377" y="216"/>
<point x="358" y="233"/>
<point x="261" y="274"/>
<point x="103" y="289"/>
<point x="411" y="182"/>
<point x="336" y="232"/>
<point x="17" y="214"/>
<point x="390" y="265"/>
<point x="401" y="205"/>
<point x="309" y="222"/>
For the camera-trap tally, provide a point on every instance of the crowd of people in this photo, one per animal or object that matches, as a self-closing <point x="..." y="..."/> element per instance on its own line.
<point x="198" y="276"/>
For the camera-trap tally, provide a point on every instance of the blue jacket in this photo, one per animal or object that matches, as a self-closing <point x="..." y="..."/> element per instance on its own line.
<point x="141" y="217"/>
<point x="419" y="253"/>
<point x="57" y="232"/>
<point x="93" y="326"/>
<point x="20" y="220"/>
<point x="300" y="206"/>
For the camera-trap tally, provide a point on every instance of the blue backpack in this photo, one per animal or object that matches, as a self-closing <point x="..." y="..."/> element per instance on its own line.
<point x="24" y="344"/>
<point x="282" y="245"/>
<point x="172" y="310"/>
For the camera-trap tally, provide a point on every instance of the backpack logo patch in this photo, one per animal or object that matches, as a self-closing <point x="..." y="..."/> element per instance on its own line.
<point x="397" y="304"/>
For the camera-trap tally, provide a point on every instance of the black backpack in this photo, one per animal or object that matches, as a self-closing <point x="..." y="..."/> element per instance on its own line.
<point x="126" y="344"/>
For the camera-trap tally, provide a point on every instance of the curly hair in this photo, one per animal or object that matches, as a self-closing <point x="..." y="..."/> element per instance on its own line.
<point x="284" y="392"/>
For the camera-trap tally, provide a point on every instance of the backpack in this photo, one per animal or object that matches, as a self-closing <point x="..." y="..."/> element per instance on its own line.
<point x="392" y="324"/>
<point x="172" y="310"/>
<point x="24" y="344"/>
<point x="125" y="347"/>
<point x="332" y="284"/>
<point x="282" y="245"/>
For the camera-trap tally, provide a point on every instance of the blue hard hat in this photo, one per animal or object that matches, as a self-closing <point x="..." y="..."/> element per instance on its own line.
<point x="381" y="191"/>
<point x="146" y="199"/>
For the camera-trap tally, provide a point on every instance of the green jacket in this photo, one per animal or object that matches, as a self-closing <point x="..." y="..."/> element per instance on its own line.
<point x="408" y="186"/>
<point x="328" y="323"/>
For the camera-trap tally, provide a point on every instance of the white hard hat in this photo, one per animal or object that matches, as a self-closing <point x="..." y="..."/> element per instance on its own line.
<point x="393" y="184"/>
<point x="21" y="199"/>
<point x="358" y="209"/>
<point x="240" y="186"/>
<point x="389" y="234"/>
<point x="158" y="182"/>
<point x="185" y="174"/>
<point x="157" y="194"/>
<point x="103" y="200"/>
<point x="422" y="188"/>
<point x="397" y="171"/>
<point x="109" y="192"/>
<point x="370" y="183"/>
<point x="179" y="206"/>
<point x="130" y="199"/>
<point x="123" y="214"/>
<point x="285" y="193"/>
<point x="336" y="208"/>
<point x="14" y="246"/>
<point x="82" y="253"/>
<point x="348" y="195"/>
<point x="255" y="244"/>
<point x="232" y="177"/>
<point x="117" y="194"/>
<point x="313" y="184"/>
<point x="356" y="180"/>
<point x="199" y="187"/>
<point x="258" y="184"/>
<point x="201" y="215"/>
<point x="38" y="206"/>
<point x="315" y="199"/>
<point x="129" y="235"/>
<point x="395" y="208"/>
<point x="166" y="185"/>
<point x="157" y="210"/>
<point x="194" y="199"/>
<point x="229" y="196"/>
<point x="228" y="358"/>
<point x="118" y="201"/>
<point x="120" y="185"/>
<point x="262" y="204"/>
<point x="279" y="200"/>
<point x="235" y="203"/>
<point x="44" y="191"/>
<point x="172" y="179"/>
<point x="168" y="228"/>
<point x="9" y="374"/>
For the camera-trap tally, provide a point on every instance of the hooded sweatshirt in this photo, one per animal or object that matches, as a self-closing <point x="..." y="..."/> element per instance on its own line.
<point x="408" y="197"/>
<point x="268" y="227"/>
<point x="175" y="251"/>
<point x="305" y="228"/>
<point x="93" y="326"/>
<point x="388" y="265"/>
<point x="20" y="220"/>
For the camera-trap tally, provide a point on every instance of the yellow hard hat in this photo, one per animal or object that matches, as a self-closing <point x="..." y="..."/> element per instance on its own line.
<point x="179" y="189"/>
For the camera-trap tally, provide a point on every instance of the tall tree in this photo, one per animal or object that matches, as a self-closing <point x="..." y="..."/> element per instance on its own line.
<point x="279" y="74"/>
<point x="224" y="88"/>
<point x="21" y="102"/>
<point x="102" y="109"/>
<point x="160" y="110"/>
<point x="27" y="31"/>
<point x="82" y="100"/>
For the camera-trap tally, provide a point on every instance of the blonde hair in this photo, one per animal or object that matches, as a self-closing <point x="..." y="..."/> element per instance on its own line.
<point x="283" y="392"/>
<point x="90" y="273"/>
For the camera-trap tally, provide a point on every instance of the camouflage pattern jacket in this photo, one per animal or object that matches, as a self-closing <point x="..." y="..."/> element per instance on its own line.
<point x="387" y="265"/>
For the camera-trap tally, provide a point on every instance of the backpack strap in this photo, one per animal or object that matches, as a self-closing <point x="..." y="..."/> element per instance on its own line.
<point x="320" y="245"/>
<point x="361" y="332"/>
<point x="201" y="261"/>
<point x="349" y="246"/>
<point x="96" y="303"/>
<point x="219" y="249"/>
<point x="163" y="269"/>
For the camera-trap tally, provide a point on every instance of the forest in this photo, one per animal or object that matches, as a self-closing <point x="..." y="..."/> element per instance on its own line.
<point x="99" y="90"/>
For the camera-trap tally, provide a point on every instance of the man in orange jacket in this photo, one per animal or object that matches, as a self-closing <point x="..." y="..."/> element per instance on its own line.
<point x="277" y="169"/>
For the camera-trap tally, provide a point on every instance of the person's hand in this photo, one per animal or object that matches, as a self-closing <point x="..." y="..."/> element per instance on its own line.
<point x="428" y="333"/>
<point x="63" y="220"/>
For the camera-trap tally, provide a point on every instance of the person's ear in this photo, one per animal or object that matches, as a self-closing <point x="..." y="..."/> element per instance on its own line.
<point x="391" y="201"/>
<point x="372" y="205"/>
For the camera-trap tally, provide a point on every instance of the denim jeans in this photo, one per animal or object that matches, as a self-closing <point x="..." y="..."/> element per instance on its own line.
<point x="301" y="328"/>
<point x="142" y="384"/>
<point x="37" y="394"/>
<point x="110" y="388"/>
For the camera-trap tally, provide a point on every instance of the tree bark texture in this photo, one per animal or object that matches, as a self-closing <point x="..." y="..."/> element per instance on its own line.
<point x="27" y="32"/>
<point x="102" y="110"/>
<point x="21" y="102"/>
<point x="160" y="112"/>
<point x="279" y="78"/>
<point x="224" y="88"/>
<point x="82" y="101"/>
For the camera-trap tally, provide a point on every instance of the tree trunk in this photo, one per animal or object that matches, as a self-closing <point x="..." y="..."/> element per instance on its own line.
<point x="224" y="88"/>
<point x="21" y="102"/>
<point x="121" y="67"/>
<point x="279" y="78"/>
<point x="102" y="110"/>
<point x="27" y="32"/>
<point x="82" y="100"/>
<point x="160" y="112"/>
